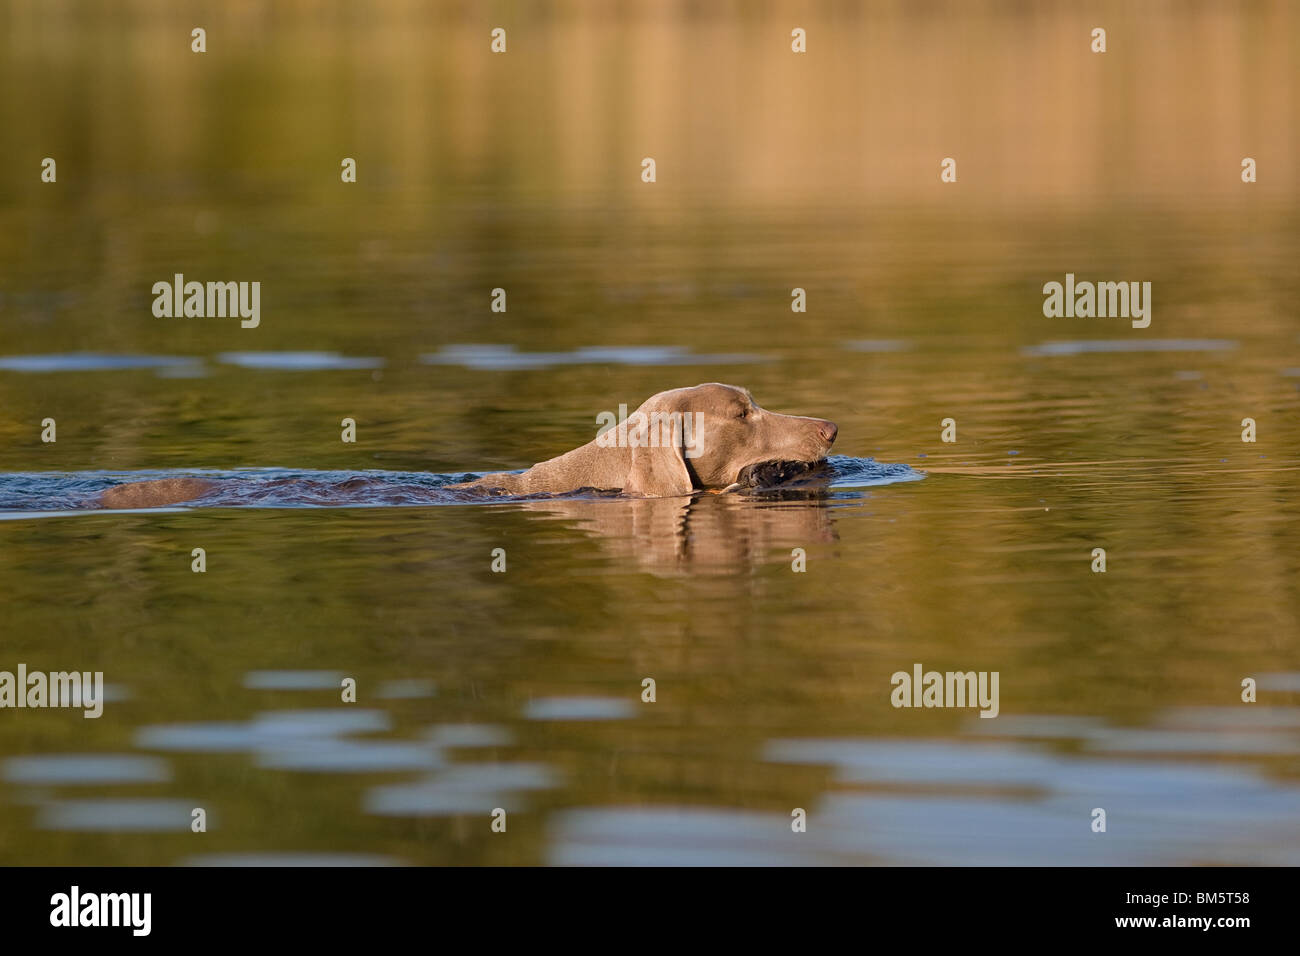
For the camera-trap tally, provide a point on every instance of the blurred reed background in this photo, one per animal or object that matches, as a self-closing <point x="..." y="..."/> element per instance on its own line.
<point x="1011" y="89"/>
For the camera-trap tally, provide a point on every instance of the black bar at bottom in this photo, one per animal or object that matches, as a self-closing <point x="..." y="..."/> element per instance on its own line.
<point x="329" y="906"/>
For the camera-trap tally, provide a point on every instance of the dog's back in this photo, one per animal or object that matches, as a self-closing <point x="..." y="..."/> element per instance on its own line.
<point x="155" y="494"/>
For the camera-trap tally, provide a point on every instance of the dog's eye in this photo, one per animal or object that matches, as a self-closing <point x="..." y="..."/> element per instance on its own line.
<point x="744" y="412"/>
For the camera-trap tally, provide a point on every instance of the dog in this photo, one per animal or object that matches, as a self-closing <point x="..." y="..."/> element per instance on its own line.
<point x="710" y="437"/>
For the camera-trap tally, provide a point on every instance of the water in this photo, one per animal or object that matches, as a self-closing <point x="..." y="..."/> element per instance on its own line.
<point x="523" y="690"/>
<point x="28" y="495"/>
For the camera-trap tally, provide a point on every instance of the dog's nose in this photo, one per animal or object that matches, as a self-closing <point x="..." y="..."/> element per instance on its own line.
<point x="828" y="432"/>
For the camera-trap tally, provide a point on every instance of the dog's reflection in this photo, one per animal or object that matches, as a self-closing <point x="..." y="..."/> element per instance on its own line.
<point x="702" y="534"/>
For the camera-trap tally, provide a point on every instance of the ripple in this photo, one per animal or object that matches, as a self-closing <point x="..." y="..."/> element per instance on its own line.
<point x="506" y="357"/>
<point x="49" y="494"/>
<point x="1288" y="681"/>
<point x="79" y="769"/>
<point x="293" y="680"/>
<point x="477" y="788"/>
<point x="1034" y="725"/>
<point x="351" y="756"/>
<point x="675" y="836"/>
<point x="138" y="815"/>
<point x="957" y="764"/>
<point x="1251" y="716"/>
<point x="410" y="688"/>
<point x="290" y="859"/>
<point x="1129" y="345"/>
<point x="866" y="472"/>
<point x="579" y="708"/>
<point x="469" y="735"/>
<point x="264" y="731"/>
<point x="1036" y="807"/>
<point x="1229" y="744"/>
<point x="879" y="345"/>
<point x="298" y="361"/>
<point x="93" y="361"/>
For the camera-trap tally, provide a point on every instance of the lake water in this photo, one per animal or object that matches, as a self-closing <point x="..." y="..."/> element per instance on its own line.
<point x="522" y="690"/>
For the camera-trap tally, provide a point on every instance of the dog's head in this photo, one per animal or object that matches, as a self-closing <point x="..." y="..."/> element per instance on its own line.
<point x="706" y="436"/>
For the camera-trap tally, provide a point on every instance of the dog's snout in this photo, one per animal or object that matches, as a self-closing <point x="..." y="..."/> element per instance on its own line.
<point x="828" y="431"/>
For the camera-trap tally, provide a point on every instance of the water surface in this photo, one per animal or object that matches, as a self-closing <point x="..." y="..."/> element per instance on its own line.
<point x="521" y="689"/>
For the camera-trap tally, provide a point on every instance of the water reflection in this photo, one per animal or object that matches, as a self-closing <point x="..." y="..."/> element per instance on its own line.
<point x="708" y="534"/>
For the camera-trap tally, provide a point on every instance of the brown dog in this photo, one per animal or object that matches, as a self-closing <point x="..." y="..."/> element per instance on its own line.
<point x="678" y="442"/>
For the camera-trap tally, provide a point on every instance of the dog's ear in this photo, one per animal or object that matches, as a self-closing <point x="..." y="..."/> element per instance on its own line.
<point x="658" y="463"/>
